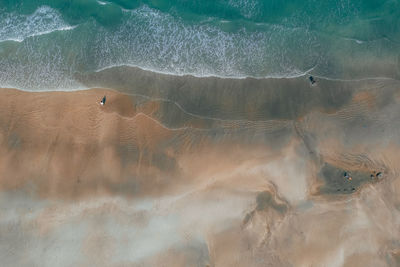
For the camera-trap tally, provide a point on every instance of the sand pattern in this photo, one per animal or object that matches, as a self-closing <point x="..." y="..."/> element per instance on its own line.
<point x="185" y="171"/>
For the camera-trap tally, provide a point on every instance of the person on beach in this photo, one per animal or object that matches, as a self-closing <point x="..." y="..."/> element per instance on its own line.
<point x="312" y="80"/>
<point x="103" y="101"/>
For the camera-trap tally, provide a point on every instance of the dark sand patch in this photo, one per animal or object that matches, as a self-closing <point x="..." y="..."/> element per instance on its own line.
<point x="231" y="99"/>
<point x="340" y="181"/>
<point x="266" y="199"/>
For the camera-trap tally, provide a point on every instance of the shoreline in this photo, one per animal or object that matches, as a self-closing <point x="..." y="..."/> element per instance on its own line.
<point x="120" y="70"/>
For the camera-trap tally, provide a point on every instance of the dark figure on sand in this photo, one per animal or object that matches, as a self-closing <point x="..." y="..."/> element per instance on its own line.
<point x="312" y="80"/>
<point x="103" y="101"/>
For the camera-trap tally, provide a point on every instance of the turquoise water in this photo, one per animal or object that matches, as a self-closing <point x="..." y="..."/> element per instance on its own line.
<point x="45" y="43"/>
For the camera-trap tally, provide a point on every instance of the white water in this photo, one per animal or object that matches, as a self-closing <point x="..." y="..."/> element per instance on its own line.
<point x="17" y="27"/>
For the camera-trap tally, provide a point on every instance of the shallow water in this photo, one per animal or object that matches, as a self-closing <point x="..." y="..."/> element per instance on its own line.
<point x="43" y="44"/>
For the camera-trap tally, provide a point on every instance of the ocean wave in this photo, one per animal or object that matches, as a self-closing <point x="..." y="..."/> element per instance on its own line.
<point x="160" y="42"/>
<point x="276" y="76"/>
<point x="294" y="74"/>
<point x="157" y="41"/>
<point x="101" y="3"/>
<point x="17" y="27"/>
<point x="247" y="8"/>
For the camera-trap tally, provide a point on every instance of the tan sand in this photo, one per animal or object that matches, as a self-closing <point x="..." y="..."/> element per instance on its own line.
<point x="117" y="185"/>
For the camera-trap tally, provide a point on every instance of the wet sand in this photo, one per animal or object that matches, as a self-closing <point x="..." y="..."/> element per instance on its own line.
<point x="185" y="171"/>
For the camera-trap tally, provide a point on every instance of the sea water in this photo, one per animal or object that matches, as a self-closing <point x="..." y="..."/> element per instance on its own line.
<point x="45" y="44"/>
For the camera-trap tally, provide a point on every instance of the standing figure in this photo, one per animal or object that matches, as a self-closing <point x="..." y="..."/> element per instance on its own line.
<point x="312" y="80"/>
<point x="103" y="101"/>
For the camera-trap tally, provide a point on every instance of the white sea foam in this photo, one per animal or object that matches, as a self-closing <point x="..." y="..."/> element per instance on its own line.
<point x="101" y="3"/>
<point x="293" y="74"/>
<point x="156" y="41"/>
<point x="159" y="42"/>
<point x="17" y="27"/>
<point x="248" y="8"/>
